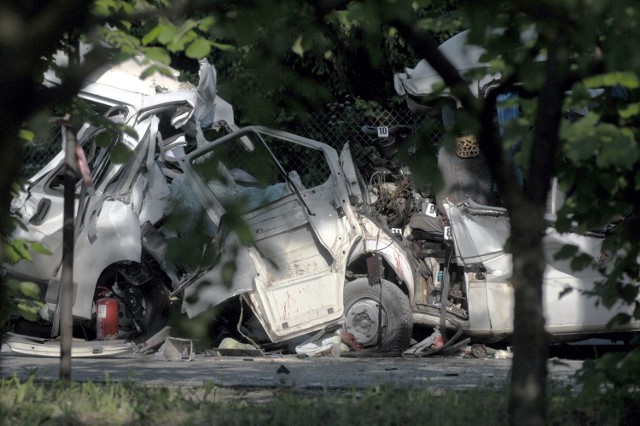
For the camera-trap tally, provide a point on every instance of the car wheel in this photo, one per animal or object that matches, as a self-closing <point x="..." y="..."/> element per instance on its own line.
<point x="154" y="300"/>
<point x="143" y="309"/>
<point x="379" y="315"/>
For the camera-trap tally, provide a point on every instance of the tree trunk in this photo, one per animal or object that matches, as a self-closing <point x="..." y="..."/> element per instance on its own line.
<point x="528" y="399"/>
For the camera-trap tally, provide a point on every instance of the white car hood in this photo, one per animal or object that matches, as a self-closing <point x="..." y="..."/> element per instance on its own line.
<point x="418" y="81"/>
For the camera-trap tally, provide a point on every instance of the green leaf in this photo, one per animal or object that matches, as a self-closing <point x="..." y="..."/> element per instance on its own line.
<point x="104" y="139"/>
<point x="12" y="256"/>
<point x="120" y="153"/>
<point x="121" y="56"/>
<point x="13" y="286"/>
<point x="629" y="110"/>
<point x="185" y="28"/>
<point x="580" y="262"/>
<point x="20" y="249"/>
<point x="179" y="43"/>
<point x="297" y="47"/>
<point x="27" y="311"/>
<point x="130" y="130"/>
<point x="618" y="148"/>
<point x="164" y="71"/>
<point x="629" y="292"/>
<point x="30" y="289"/>
<point x="222" y="46"/>
<point x="158" y="54"/>
<point x="26" y="135"/>
<point x="198" y="49"/>
<point x="244" y="233"/>
<point x="582" y="138"/>
<point x="618" y="320"/>
<point x="40" y="248"/>
<point x="167" y="33"/>
<point x="627" y="79"/>
<point x="567" y="251"/>
<point x="152" y="35"/>
<point x="228" y="271"/>
<point x="103" y="7"/>
<point x="149" y="71"/>
<point x="608" y="294"/>
<point x="206" y="23"/>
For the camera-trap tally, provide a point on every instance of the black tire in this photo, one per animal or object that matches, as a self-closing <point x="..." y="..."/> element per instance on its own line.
<point x="157" y="310"/>
<point x="152" y="298"/>
<point x="370" y="309"/>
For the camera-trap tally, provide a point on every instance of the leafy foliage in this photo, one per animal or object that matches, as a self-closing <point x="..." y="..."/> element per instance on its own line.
<point x="327" y="55"/>
<point x="24" y="299"/>
<point x="350" y="49"/>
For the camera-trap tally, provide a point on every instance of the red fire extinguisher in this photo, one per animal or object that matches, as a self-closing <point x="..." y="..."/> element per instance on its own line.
<point x="107" y="321"/>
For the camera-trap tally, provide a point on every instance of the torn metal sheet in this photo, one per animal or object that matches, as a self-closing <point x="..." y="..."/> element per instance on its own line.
<point x="27" y="345"/>
<point x="154" y="341"/>
<point x="176" y="349"/>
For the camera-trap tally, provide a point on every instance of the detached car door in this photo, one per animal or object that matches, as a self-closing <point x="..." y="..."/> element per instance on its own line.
<point x="290" y="193"/>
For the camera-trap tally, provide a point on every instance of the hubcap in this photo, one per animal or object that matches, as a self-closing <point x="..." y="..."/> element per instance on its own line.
<point x="364" y="318"/>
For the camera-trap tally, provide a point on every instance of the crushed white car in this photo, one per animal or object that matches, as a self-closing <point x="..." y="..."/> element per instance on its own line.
<point x="126" y="198"/>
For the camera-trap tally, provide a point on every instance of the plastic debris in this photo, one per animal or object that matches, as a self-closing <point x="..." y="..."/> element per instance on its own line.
<point x="502" y="354"/>
<point x="231" y="347"/>
<point x="328" y="345"/>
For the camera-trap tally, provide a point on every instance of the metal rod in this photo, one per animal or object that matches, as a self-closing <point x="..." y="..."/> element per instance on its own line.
<point x="68" y="237"/>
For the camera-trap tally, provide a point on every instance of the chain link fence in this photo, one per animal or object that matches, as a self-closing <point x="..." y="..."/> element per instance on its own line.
<point x="37" y="153"/>
<point x="342" y="123"/>
<point x="336" y="125"/>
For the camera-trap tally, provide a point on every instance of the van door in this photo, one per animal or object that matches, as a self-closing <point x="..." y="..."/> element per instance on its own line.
<point x="290" y="193"/>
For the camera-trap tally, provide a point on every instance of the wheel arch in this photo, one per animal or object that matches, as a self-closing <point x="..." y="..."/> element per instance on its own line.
<point x="397" y="267"/>
<point x="110" y="236"/>
<point x="152" y="294"/>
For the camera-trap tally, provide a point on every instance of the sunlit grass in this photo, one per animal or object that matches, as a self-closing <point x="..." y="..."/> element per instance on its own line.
<point x="28" y="402"/>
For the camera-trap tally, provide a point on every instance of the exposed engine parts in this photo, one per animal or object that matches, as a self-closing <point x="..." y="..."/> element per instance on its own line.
<point x="413" y="215"/>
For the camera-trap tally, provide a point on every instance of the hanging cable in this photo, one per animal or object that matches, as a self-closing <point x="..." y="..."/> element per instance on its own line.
<point x="239" y="326"/>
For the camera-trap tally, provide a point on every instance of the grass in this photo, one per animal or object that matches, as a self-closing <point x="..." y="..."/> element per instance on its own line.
<point x="28" y="402"/>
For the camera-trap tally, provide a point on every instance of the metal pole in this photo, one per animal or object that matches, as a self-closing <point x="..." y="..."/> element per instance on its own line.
<point x="66" y="280"/>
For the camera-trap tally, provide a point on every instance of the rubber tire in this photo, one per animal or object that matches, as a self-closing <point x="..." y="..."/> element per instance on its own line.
<point x="395" y="304"/>
<point x="158" y="307"/>
<point x="157" y="312"/>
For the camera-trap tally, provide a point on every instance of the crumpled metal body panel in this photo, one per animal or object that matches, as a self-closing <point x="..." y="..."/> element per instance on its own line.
<point x="125" y="195"/>
<point x="480" y="233"/>
<point x="117" y="238"/>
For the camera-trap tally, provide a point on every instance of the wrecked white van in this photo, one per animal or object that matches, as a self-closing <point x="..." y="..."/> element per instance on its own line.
<point x="480" y="227"/>
<point x="308" y="269"/>
<point x="329" y="249"/>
